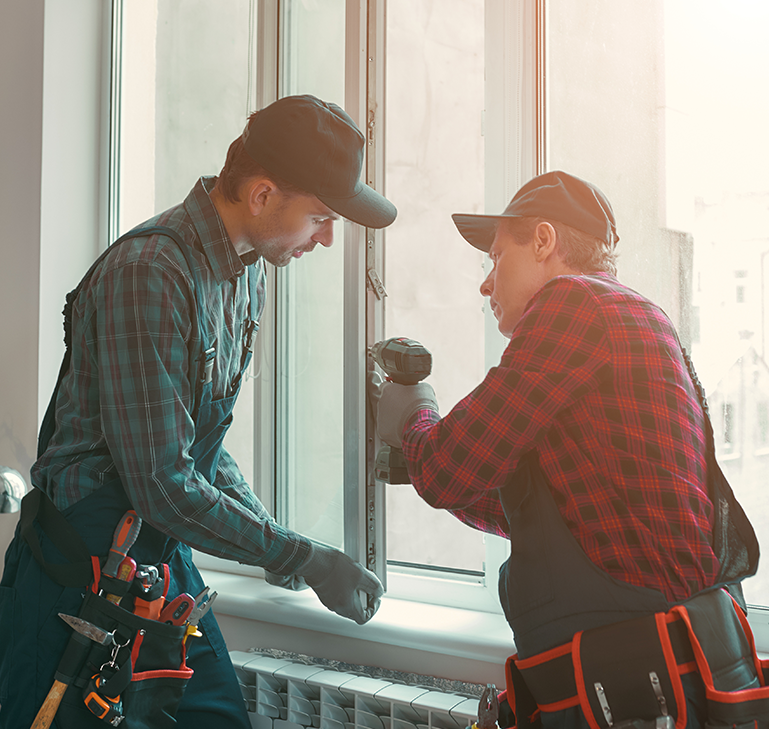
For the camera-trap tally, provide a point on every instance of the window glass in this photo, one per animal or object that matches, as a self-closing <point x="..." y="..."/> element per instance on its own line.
<point x="434" y="167"/>
<point x="309" y="364"/>
<point x="661" y="104"/>
<point x="182" y="94"/>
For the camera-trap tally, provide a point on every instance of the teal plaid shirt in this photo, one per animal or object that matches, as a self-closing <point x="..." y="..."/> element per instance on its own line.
<point x="124" y="406"/>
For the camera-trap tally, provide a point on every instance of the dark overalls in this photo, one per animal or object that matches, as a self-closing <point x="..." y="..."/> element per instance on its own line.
<point x="34" y="637"/>
<point x="550" y="590"/>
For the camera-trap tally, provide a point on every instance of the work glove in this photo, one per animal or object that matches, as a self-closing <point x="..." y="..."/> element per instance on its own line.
<point x="341" y="584"/>
<point x="394" y="405"/>
<point x="287" y="582"/>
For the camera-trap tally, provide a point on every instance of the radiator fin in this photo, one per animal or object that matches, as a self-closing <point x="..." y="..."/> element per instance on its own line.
<point x="285" y="694"/>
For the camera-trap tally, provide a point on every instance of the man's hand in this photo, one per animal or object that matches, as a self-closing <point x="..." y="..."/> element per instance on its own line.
<point x="395" y="404"/>
<point x="338" y="581"/>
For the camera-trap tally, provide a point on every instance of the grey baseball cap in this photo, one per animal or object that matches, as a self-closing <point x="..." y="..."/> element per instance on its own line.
<point x="316" y="146"/>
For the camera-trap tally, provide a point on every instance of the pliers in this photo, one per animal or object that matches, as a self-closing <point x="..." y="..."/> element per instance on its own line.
<point x="202" y="606"/>
<point x="488" y="708"/>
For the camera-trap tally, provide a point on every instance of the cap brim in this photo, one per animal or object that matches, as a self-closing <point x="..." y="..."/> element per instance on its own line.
<point x="367" y="207"/>
<point x="478" y="230"/>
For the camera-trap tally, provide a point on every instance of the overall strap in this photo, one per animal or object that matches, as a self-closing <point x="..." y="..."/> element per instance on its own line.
<point x="205" y="361"/>
<point x="252" y="326"/>
<point x="205" y="365"/>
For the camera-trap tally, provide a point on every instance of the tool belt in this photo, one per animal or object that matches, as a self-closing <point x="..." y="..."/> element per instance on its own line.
<point x="138" y="679"/>
<point x="149" y="670"/>
<point x="631" y="671"/>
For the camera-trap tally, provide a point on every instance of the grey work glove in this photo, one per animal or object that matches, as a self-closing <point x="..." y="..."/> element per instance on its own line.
<point x="338" y="581"/>
<point x="395" y="404"/>
<point x="287" y="582"/>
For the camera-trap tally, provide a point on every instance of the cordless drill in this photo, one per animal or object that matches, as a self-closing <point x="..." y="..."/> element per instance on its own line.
<point x="405" y="362"/>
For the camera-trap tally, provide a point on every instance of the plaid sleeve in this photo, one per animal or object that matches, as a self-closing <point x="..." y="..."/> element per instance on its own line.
<point x="557" y="354"/>
<point x="230" y="481"/>
<point x="143" y="332"/>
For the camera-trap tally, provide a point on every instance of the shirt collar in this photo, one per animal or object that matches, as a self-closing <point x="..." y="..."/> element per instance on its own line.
<point x="218" y="248"/>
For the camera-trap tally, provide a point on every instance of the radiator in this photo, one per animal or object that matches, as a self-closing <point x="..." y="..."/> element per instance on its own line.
<point x="281" y="693"/>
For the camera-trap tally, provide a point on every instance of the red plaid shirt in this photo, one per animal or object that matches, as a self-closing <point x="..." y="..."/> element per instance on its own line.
<point x="594" y="379"/>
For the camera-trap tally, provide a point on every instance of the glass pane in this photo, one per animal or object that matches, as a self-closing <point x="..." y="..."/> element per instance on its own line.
<point x="662" y="105"/>
<point x="311" y="298"/>
<point x="434" y="167"/>
<point x="185" y="92"/>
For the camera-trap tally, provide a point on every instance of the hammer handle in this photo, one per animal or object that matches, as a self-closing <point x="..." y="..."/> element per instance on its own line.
<point x="50" y="706"/>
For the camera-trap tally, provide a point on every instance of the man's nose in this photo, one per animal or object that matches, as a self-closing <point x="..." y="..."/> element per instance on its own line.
<point x="325" y="236"/>
<point x="487" y="286"/>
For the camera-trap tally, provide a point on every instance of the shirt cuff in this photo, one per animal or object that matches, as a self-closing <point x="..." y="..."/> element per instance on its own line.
<point x="425" y="415"/>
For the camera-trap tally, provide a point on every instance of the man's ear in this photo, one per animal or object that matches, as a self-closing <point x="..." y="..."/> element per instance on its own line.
<point x="545" y="240"/>
<point x="259" y="193"/>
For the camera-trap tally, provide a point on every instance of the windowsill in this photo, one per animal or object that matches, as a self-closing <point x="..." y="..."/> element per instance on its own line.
<point x="434" y="640"/>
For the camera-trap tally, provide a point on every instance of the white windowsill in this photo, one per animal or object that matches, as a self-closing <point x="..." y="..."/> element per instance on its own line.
<point x="434" y="640"/>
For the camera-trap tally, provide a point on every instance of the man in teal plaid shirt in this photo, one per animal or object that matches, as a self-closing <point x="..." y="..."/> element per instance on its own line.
<point x="159" y="337"/>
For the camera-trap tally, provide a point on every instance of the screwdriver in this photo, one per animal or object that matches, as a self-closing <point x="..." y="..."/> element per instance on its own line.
<point x="126" y="573"/>
<point x="125" y="535"/>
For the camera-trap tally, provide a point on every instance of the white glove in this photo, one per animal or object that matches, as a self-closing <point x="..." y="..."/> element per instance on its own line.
<point x="395" y="404"/>
<point x="338" y="581"/>
<point x="287" y="582"/>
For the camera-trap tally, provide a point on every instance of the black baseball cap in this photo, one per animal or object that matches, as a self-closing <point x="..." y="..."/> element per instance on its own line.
<point x="316" y="146"/>
<point x="554" y="195"/>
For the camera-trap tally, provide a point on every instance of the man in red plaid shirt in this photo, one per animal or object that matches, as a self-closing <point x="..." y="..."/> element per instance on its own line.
<point x="586" y="445"/>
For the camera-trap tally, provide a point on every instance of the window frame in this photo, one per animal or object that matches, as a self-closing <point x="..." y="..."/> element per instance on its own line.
<point x="364" y="508"/>
<point x="507" y="122"/>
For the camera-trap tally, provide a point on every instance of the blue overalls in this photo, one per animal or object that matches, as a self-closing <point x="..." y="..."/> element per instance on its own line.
<point x="550" y="589"/>
<point x="34" y="637"/>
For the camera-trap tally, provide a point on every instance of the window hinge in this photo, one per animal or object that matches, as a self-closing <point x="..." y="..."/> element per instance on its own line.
<point x="375" y="283"/>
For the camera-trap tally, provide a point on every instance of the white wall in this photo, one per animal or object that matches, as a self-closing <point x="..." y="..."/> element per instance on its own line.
<point x="21" y="97"/>
<point x="21" y="92"/>
<point x="50" y="97"/>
